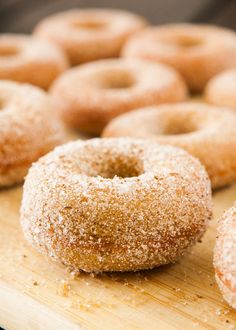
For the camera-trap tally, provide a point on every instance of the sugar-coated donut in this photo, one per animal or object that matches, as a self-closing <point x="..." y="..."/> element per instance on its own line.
<point x="115" y="204"/>
<point x="30" y="60"/>
<point x="198" y="52"/>
<point x="89" y="96"/>
<point x="221" y="89"/>
<point x="28" y="129"/>
<point x="205" y="131"/>
<point x="90" y="34"/>
<point x="225" y="256"/>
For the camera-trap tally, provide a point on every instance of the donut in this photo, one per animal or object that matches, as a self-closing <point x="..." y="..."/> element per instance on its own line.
<point x="28" y="129"/>
<point x="225" y="256"/>
<point x="198" y="52"/>
<point x="30" y="60"/>
<point x="89" y="96"/>
<point x="90" y="34"/>
<point x="205" y="131"/>
<point x="221" y="89"/>
<point x="115" y="204"/>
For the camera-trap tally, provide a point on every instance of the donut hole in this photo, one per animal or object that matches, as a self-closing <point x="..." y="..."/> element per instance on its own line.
<point x="178" y="129"/>
<point x="187" y="41"/>
<point x="2" y="105"/>
<point x="177" y="124"/>
<point x="92" y="25"/>
<point x="123" y="171"/>
<point x="8" y="50"/>
<point x="182" y="41"/>
<point x="117" y="80"/>
<point x="123" y="168"/>
<point x="113" y="165"/>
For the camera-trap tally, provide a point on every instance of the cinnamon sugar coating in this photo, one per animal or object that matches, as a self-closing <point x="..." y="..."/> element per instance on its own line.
<point x="28" y="129"/>
<point x="115" y="204"/>
<point x="225" y="256"/>
<point x="207" y="132"/>
<point x="30" y="60"/>
<point x="198" y="52"/>
<point x="89" y="96"/>
<point x="90" y="34"/>
<point x="221" y="89"/>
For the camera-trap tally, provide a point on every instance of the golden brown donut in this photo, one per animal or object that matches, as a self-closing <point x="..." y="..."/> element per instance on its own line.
<point x="198" y="52"/>
<point x="28" y="129"/>
<point x="89" y="96"/>
<point x="221" y="89"/>
<point x="115" y="204"/>
<point x="205" y="131"/>
<point x="30" y="60"/>
<point x="225" y="256"/>
<point x="90" y="34"/>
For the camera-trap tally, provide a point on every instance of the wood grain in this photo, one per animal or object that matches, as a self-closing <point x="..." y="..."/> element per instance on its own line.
<point x="39" y="294"/>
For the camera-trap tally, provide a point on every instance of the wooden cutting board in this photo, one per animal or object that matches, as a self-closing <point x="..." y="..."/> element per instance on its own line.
<point x="36" y="293"/>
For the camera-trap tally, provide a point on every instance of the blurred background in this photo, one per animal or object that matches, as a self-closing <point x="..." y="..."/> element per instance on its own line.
<point x="22" y="15"/>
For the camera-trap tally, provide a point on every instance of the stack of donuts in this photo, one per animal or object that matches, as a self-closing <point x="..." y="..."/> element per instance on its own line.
<point x="138" y="193"/>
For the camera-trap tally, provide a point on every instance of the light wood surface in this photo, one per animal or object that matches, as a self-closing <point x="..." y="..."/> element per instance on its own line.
<point x="36" y="293"/>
